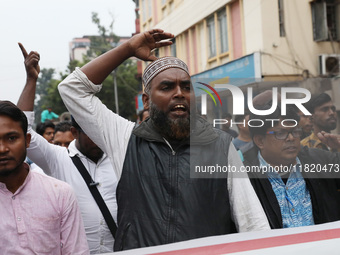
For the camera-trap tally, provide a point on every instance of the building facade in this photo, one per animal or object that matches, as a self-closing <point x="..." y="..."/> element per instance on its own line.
<point x="253" y="43"/>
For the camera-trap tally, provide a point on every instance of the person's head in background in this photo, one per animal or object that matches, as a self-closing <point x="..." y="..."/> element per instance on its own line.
<point x="324" y="117"/>
<point x="46" y="130"/>
<point x="242" y="125"/>
<point x="143" y="115"/>
<point x="226" y="126"/>
<point x="62" y="134"/>
<point x="84" y="144"/>
<point x="305" y="124"/>
<point x="227" y="116"/>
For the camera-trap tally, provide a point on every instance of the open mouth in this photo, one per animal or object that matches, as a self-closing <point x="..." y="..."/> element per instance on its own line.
<point x="179" y="108"/>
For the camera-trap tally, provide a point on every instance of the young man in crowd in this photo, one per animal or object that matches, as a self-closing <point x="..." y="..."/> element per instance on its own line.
<point x="226" y="127"/>
<point x="57" y="161"/>
<point x="39" y="214"/>
<point x="291" y="192"/>
<point x="62" y="134"/>
<point x="243" y="137"/>
<point x="46" y="130"/>
<point x="158" y="201"/>
<point x="143" y="115"/>
<point x="324" y="118"/>
<point x="305" y="124"/>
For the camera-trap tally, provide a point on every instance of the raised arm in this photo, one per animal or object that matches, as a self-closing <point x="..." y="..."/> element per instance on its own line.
<point x="105" y="128"/>
<point x="26" y="100"/>
<point x="140" y="46"/>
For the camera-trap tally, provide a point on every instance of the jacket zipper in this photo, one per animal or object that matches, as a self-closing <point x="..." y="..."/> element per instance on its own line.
<point x="170" y="227"/>
<point x="172" y="150"/>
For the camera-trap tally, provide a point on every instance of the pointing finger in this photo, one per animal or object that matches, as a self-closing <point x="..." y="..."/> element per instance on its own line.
<point x="23" y="50"/>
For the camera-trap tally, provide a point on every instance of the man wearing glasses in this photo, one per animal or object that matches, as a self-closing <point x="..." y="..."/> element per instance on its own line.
<point x="296" y="186"/>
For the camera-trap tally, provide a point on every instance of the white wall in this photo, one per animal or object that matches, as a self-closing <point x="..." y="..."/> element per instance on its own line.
<point x="188" y="13"/>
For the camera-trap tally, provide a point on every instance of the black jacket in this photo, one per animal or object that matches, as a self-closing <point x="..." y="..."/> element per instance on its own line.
<point x="158" y="202"/>
<point x="323" y="191"/>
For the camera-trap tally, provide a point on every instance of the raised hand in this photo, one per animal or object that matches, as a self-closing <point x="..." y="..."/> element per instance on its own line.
<point x="31" y="63"/>
<point x="26" y="99"/>
<point x="331" y="140"/>
<point x="141" y="45"/>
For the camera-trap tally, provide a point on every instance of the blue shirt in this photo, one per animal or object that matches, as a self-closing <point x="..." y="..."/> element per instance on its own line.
<point x="293" y="197"/>
<point x="238" y="143"/>
<point x="46" y="115"/>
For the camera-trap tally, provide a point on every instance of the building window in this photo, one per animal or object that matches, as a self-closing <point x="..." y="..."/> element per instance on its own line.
<point x="149" y="8"/>
<point x="223" y="30"/>
<point x="281" y="19"/>
<point x="326" y="20"/>
<point x="156" y="53"/>
<point x="144" y="10"/>
<point x="212" y="38"/>
<point x="173" y="47"/>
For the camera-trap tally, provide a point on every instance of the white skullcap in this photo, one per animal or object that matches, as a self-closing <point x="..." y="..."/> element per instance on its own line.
<point x="160" y="65"/>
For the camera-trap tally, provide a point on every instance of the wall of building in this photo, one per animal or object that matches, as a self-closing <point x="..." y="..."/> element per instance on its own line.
<point x="296" y="51"/>
<point x="184" y="15"/>
<point x="253" y="26"/>
<point x="252" y="13"/>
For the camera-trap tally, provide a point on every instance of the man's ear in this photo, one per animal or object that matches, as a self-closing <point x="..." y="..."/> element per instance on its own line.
<point x="74" y="132"/>
<point x="28" y="140"/>
<point x="146" y="101"/>
<point x="259" y="140"/>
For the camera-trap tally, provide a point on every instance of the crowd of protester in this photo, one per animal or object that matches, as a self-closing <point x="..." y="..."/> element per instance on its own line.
<point x="100" y="183"/>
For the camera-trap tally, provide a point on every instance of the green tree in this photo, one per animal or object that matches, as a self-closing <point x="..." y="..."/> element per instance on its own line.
<point x="47" y="94"/>
<point x="127" y="84"/>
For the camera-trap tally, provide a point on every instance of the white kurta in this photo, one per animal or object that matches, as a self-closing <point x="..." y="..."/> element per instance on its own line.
<point x="56" y="162"/>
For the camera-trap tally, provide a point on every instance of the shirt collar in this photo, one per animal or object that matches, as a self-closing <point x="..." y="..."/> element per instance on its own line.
<point x="270" y="169"/>
<point x="314" y="137"/>
<point x="27" y="179"/>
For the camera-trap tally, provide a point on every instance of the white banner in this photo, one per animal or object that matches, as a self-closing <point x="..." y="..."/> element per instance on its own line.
<point x="312" y="240"/>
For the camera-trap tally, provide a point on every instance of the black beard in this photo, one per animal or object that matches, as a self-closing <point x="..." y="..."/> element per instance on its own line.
<point x="329" y="128"/>
<point x="177" y="129"/>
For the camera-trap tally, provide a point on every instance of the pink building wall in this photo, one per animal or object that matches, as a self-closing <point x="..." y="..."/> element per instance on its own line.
<point x="236" y="30"/>
<point x="155" y="13"/>
<point x="194" y="57"/>
<point x="187" y="49"/>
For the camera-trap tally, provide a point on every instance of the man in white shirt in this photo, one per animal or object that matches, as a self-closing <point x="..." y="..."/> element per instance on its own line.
<point x="158" y="201"/>
<point x="55" y="161"/>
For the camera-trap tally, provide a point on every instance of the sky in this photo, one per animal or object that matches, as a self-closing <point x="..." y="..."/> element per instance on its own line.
<point x="47" y="27"/>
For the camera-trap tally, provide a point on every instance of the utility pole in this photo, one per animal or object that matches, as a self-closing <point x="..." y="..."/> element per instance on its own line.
<point x="115" y="89"/>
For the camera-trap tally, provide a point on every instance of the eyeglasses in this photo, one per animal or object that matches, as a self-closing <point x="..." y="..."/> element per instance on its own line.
<point x="283" y="134"/>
